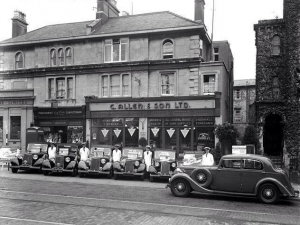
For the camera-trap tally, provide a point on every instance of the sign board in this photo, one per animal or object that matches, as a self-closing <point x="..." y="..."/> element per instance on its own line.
<point x="239" y="149"/>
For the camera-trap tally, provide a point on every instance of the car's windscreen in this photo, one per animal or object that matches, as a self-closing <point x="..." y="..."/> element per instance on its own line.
<point x="133" y="153"/>
<point x="36" y="148"/>
<point x="100" y="152"/>
<point x="164" y="155"/>
<point x="63" y="151"/>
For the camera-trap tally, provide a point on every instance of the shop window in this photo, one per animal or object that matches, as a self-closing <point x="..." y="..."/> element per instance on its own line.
<point x="116" y="50"/>
<point x="167" y="84"/>
<point x="168" y="49"/>
<point x="276" y="45"/>
<point x="61" y="57"/>
<point x="275" y="88"/>
<point x="237" y="94"/>
<point x="61" y="87"/>
<point x="1" y="127"/>
<point x="19" y="60"/>
<point x="69" y="56"/>
<point x="116" y="85"/>
<point x="53" y="57"/>
<point x="15" y="127"/>
<point x="209" y="84"/>
<point x="216" y="54"/>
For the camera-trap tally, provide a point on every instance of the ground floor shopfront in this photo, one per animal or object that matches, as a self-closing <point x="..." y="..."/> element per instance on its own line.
<point x="183" y="124"/>
<point x="62" y="124"/>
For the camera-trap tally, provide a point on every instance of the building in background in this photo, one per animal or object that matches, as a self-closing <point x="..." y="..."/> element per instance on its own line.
<point x="243" y="98"/>
<point x="277" y="84"/>
<point x="118" y="79"/>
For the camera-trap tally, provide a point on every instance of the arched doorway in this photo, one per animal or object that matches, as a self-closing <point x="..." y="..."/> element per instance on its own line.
<point x="273" y="135"/>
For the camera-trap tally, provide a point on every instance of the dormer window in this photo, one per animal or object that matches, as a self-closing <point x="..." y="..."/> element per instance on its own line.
<point x="61" y="57"/>
<point x="19" y="60"/>
<point x="276" y="45"/>
<point x="53" y="57"/>
<point x="168" y="49"/>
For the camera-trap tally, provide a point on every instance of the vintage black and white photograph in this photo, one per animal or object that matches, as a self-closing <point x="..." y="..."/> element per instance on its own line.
<point x="151" y="112"/>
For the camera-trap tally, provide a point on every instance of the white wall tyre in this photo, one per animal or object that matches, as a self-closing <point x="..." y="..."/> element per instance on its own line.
<point x="268" y="193"/>
<point x="180" y="188"/>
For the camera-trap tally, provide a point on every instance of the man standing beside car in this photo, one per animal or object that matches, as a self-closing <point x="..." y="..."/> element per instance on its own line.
<point x="148" y="159"/>
<point x="116" y="154"/>
<point x="52" y="154"/>
<point x="84" y="153"/>
<point x="207" y="158"/>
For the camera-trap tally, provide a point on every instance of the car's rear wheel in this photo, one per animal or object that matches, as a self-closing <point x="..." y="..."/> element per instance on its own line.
<point x="180" y="188"/>
<point x="14" y="170"/>
<point x="202" y="176"/>
<point x="268" y="193"/>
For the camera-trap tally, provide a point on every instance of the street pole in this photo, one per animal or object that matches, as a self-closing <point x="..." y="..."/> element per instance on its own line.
<point x="212" y="31"/>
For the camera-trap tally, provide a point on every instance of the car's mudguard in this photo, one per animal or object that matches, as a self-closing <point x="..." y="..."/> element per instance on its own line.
<point x="280" y="186"/>
<point x="117" y="166"/>
<point x="82" y="165"/>
<point x="71" y="165"/>
<point x="107" y="166"/>
<point x="195" y="186"/>
<point x="46" y="163"/>
<point x="39" y="162"/>
<point x="14" y="162"/>
<point x="142" y="167"/>
<point x="152" y="170"/>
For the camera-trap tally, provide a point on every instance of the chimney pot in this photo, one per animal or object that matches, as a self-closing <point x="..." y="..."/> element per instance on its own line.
<point x="19" y="24"/>
<point x="199" y="10"/>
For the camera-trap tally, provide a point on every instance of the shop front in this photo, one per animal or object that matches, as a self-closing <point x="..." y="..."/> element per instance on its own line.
<point x="61" y="125"/>
<point x="172" y="123"/>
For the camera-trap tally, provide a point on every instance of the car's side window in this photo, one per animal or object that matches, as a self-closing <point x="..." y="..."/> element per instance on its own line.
<point x="252" y="164"/>
<point x="231" y="163"/>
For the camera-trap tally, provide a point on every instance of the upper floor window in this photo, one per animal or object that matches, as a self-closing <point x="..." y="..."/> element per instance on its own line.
<point x="216" y="54"/>
<point x="209" y="84"/>
<point x="167" y="84"/>
<point x="237" y="112"/>
<point x="116" y="85"/>
<point x="61" y="87"/>
<point x="116" y="50"/>
<point x="276" y="45"/>
<point x="19" y="60"/>
<point x="201" y="48"/>
<point x="68" y="56"/>
<point x="275" y="87"/>
<point x="237" y="94"/>
<point x="61" y="57"/>
<point x="168" y="49"/>
<point x="53" y="57"/>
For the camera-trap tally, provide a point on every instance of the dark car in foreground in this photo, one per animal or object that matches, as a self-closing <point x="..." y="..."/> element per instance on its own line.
<point x="32" y="159"/>
<point x="100" y="162"/>
<point x="244" y="175"/>
<point x="131" y="164"/>
<point x="66" y="160"/>
<point x="163" y="164"/>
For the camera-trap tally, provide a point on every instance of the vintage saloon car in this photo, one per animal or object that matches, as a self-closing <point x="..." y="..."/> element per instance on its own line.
<point x="32" y="158"/>
<point x="244" y="175"/>
<point x="163" y="164"/>
<point x="131" y="163"/>
<point x="66" y="160"/>
<point x="100" y="162"/>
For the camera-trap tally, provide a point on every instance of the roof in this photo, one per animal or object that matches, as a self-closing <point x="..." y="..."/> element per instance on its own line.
<point x="245" y="82"/>
<point x="123" y="24"/>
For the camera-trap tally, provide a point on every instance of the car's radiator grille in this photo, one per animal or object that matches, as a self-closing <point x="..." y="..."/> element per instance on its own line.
<point x="129" y="166"/>
<point x="165" y="168"/>
<point x="59" y="161"/>
<point x="95" y="164"/>
<point x="28" y="159"/>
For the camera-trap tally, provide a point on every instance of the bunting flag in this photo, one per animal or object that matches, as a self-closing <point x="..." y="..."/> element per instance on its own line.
<point x="185" y="132"/>
<point x="131" y="131"/>
<point x="171" y="131"/>
<point x="155" y="131"/>
<point x="117" y="132"/>
<point x="104" y="132"/>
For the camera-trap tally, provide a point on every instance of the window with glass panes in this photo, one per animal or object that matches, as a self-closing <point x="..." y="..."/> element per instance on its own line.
<point x="209" y="83"/>
<point x="61" y="57"/>
<point x="167" y="84"/>
<point x="216" y="54"/>
<point x="168" y="49"/>
<point x="61" y="88"/>
<point x="125" y="85"/>
<point x="115" y="85"/>
<point x="19" y="60"/>
<point x="53" y="57"/>
<point x="104" y="88"/>
<point x="1" y="127"/>
<point x="116" y="50"/>
<point x="15" y="127"/>
<point x="68" y="56"/>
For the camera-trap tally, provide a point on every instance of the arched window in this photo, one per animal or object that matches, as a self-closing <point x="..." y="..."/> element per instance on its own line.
<point x="275" y="88"/>
<point x="168" y="49"/>
<point x="69" y="56"/>
<point x="53" y="57"/>
<point x="19" y="60"/>
<point x="61" y="57"/>
<point x="276" y="45"/>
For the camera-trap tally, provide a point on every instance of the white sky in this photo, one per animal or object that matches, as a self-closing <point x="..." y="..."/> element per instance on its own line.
<point x="234" y="19"/>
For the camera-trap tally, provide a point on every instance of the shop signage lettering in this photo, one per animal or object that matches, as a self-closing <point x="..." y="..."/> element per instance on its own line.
<point x="155" y="122"/>
<point x="205" y="121"/>
<point x="148" y="106"/>
<point x="178" y="121"/>
<point x="16" y="102"/>
<point x="60" y="112"/>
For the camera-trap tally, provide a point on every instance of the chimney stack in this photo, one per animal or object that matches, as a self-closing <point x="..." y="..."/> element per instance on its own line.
<point x="106" y="9"/>
<point x="19" y="25"/>
<point x="199" y="10"/>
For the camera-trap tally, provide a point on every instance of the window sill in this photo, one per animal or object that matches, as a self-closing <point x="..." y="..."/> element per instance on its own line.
<point x="117" y="61"/>
<point x="60" y="100"/>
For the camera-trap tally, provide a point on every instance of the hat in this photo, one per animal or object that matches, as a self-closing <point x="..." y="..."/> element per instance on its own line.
<point x="83" y="143"/>
<point x="207" y="148"/>
<point x="117" y="146"/>
<point x="148" y="146"/>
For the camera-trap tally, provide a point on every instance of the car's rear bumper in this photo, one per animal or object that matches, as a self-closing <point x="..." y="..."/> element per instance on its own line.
<point x="58" y="170"/>
<point x="160" y="176"/>
<point x="25" y="167"/>
<point x="127" y="174"/>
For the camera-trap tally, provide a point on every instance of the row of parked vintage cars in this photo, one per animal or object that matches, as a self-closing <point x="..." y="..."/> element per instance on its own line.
<point x="242" y="175"/>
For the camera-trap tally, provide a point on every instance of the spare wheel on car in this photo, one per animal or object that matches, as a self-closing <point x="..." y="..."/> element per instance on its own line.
<point x="202" y="176"/>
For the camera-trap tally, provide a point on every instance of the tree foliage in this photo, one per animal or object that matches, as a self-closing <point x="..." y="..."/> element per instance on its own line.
<point x="226" y="133"/>
<point x="143" y="142"/>
<point x="251" y="137"/>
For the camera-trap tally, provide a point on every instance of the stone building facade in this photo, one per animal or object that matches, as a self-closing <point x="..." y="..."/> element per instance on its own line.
<point x="117" y="79"/>
<point x="277" y="83"/>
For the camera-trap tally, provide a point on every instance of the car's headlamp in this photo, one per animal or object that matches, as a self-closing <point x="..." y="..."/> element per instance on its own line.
<point x="136" y="163"/>
<point x="103" y="161"/>
<point x="173" y="165"/>
<point x="35" y="157"/>
<point x="156" y="164"/>
<point x="67" y="159"/>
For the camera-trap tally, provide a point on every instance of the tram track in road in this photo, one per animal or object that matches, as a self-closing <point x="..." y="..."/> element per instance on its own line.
<point x="113" y="204"/>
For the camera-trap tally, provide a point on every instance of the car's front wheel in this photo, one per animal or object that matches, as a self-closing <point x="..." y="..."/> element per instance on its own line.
<point x="180" y="188"/>
<point x="45" y="173"/>
<point x="268" y="193"/>
<point x="14" y="170"/>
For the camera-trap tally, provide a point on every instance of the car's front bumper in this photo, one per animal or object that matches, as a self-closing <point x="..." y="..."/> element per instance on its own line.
<point x="25" y="167"/>
<point x="94" y="172"/>
<point x="128" y="174"/>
